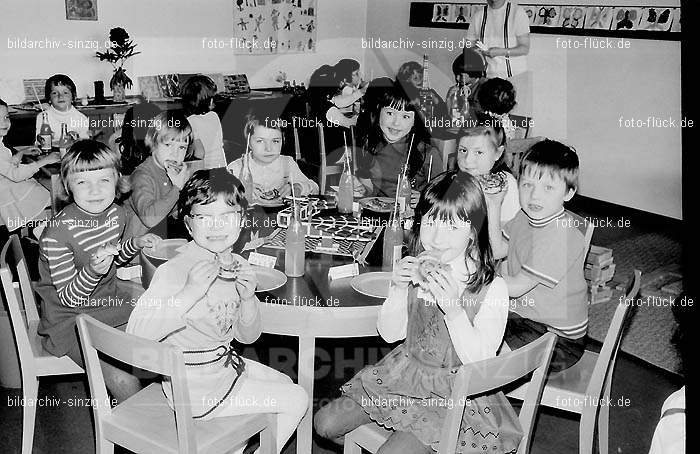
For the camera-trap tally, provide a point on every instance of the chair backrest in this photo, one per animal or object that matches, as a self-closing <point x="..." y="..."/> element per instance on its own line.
<point x="601" y="380"/>
<point x="522" y="126"/>
<point x="12" y="258"/>
<point x="142" y="353"/>
<point x="492" y="374"/>
<point x="585" y="227"/>
<point x="59" y="196"/>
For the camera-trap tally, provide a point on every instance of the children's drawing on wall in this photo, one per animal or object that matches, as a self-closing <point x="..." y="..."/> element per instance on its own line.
<point x="274" y="26"/>
<point x="81" y="9"/>
<point x="531" y="11"/>
<point x="441" y="13"/>
<point x="626" y="18"/>
<point x="572" y="17"/>
<point x="656" y="19"/>
<point x="548" y="16"/>
<point x="461" y="14"/>
<point x="599" y="17"/>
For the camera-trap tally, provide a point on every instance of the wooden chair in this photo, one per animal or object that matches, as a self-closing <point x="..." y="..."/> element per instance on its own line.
<point x="522" y="126"/>
<point x="34" y="361"/>
<point x="582" y="387"/>
<point x="473" y="379"/>
<point x="145" y="423"/>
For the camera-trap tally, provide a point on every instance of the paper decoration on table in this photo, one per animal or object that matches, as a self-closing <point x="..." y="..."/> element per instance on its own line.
<point x="599" y="17"/>
<point x="572" y="16"/>
<point x="236" y="83"/>
<point x="461" y="14"/>
<point x="32" y="85"/>
<point x="531" y="11"/>
<point x="274" y="26"/>
<point x="676" y="25"/>
<point x="656" y="19"/>
<point x="81" y="9"/>
<point x="548" y="16"/>
<point x="626" y="18"/>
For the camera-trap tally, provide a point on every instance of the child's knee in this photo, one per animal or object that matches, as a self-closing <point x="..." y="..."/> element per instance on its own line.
<point x="326" y="423"/>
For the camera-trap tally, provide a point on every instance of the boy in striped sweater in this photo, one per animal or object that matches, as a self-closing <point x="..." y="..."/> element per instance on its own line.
<point x="77" y="251"/>
<point x="546" y="252"/>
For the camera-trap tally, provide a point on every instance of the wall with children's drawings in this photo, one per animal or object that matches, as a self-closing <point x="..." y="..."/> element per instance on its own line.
<point x="578" y="96"/>
<point x="173" y="36"/>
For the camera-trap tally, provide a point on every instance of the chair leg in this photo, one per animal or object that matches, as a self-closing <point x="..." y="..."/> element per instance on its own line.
<point x="103" y="446"/>
<point x="268" y="436"/>
<point x="351" y="447"/>
<point x="30" y="393"/>
<point x="603" y="420"/>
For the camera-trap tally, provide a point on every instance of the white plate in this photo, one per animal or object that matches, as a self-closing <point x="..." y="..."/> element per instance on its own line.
<point x="366" y="203"/>
<point x="268" y="278"/>
<point x="374" y="284"/>
<point x="274" y="203"/>
<point x="165" y="249"/>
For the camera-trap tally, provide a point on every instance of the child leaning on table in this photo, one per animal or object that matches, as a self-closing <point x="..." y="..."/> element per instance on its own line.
<point x="157" y="181"/>
<point x="188" y="305"/>
<point x="272" y="173"/>
<point x="61" y="93"/>
<point x="21" y="198"/>
<point x="546" y="253"/>
<point x="78" y="253"/>
<point x="455" y="316"/>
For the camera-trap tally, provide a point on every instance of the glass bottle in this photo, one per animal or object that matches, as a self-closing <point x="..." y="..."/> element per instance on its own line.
<point x="63" y="142"/>
<point x="404" y="193"/>
<point x="45" y="133"/>
<point x="346" y="188"/>
<point x="393" y="242"/>
<point x="294" y="252"/>
<point x="247" y="178"/>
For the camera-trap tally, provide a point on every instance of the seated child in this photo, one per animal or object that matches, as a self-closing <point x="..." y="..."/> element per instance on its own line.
<point x="61" y="93"/>
<point x="132" y="143"/>
<point x="469" y="69"/>
<point x="156" y="183"/>
<point x="22" y="199"/>
<point x="546" y="254"/>
<point x="207" y="136"/>
<point x="188" y="305"/>
<point x="272" y="173"/>
<point x="494" y="101"/>
<point x="455" y="316"/>
<point x="410" y="77"/>
<point x="480" y="153"/>
<point x="77" y="250"/>
<point x="385" y="147"/>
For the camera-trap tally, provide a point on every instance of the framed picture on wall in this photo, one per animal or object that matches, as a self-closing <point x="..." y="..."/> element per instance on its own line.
<point x="81" y="9"/>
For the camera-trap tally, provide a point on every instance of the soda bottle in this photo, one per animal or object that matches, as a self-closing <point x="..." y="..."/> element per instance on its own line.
<point x="345" y="188"/>
<point x="45" y="133"/>
<point x="247" y="178"/>
<point x="404" y="195"/>
<point x="393" y="242"/>
<point x="64" y="141"/>
<point x="294" y="252"/>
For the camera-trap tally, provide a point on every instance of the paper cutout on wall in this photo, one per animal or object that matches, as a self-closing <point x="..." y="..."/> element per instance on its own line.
<point x="676" y="25"/>
<point x="461" y="14"/>
<point x="599" y="17"/>
<point x="572" y="17"/>
<point x="531" y="11"/>
<point x="441" y="12"/>
<point x="274" y="26"/>
<point x="547" y="16"/>
<point x="626" y="18"/>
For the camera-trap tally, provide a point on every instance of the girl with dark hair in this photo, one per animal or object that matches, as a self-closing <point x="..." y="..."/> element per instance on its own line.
<point x="61" y="93"/>
<point x="207" y="134"/>
<point x="453" y="315"/>
<point x="386" y="146"/>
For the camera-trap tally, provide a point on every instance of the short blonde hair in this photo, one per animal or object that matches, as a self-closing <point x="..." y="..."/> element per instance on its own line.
<point x="168" y="125"/>
<point x="86" y="155"/>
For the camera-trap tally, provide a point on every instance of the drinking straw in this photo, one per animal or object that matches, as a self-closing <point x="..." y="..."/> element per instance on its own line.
<point x="37" y="98"/>
<point x="294" y="197"/>
<point x="408" y="156"/>
<point x="246" y="158"/>
<point x="430" y="168"/>
<point x="396" y="199"/>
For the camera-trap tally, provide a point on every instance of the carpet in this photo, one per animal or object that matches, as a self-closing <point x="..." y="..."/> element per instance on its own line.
<point x="650" y="327"/>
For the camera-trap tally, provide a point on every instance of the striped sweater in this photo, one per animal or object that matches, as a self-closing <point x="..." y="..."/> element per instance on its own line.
<point x="68" y="286"/>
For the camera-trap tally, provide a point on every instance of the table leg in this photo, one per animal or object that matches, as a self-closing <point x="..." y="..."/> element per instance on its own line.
<point x="307" y="349"/>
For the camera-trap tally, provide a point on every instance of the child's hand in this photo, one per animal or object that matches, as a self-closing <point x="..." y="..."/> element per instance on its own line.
<point x="494" y="200"/>
<point x="404" y="272"/>
<point x="50" y="158"/>
<point x="246" y="282"/>
<point x="258" y="192"/>
<point x="200" y="278"/>
<point x="149" y="240"/>
<point x="102" y="259"/>
<point x="445" y="290"/>
<point x="177" y="177"/>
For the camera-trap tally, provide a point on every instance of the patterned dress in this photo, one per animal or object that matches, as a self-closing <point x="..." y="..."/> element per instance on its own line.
<point x="410" y="389"/>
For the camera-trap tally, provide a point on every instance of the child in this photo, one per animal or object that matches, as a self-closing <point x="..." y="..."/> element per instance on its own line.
<point x="546" y="253"/>
<point x="77" y="250"/>
<point x="156" y="183"/>
<point x="187" y="306"/>
<point x="469" y="69"/>
<point x="496" y="98"/>
<point x="410" y="77"/>
<point x="346" y="103"/>
<point x="207" y="136"/>
<point x="385" y="147"/>
<point x="22" y="199"/>
<point x="480" y="153"/>
<point x="132" y="145"/>
<point x="60" y="91"/>
<point x="456" y="316"/>
<point x="273" y="174"/>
